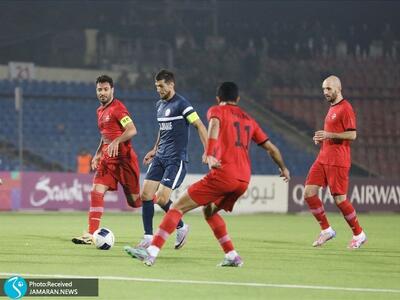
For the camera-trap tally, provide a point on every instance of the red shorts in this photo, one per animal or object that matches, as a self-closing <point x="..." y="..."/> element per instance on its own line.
<point x="220" y="190"/>
<point x="337" y="178"/>
<point x="124" y="170"/>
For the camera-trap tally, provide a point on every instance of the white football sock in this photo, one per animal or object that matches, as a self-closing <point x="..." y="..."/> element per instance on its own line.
<point x="231" y="254"/>
<point x="153" y="250"/>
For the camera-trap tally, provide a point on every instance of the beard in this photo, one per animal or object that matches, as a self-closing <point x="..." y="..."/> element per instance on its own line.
<point x="165" y="96"/>
<point x="332" y="98"/>
<point x="105" y="99"/>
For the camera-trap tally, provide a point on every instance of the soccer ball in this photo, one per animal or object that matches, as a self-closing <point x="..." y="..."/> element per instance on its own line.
<point x="103" y="238"/>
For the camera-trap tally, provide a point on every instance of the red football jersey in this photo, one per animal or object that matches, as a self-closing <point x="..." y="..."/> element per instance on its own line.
<point x="109" y="120"/>
<point x="336" y="152"/>
<point x="237" y="129"/>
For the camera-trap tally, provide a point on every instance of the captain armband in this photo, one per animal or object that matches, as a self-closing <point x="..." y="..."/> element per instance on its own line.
<point x="125" y="121"/>
<point x="192" y="117"/>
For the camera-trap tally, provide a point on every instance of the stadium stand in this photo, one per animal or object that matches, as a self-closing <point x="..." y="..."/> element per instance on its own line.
<point x="60" y="119"/>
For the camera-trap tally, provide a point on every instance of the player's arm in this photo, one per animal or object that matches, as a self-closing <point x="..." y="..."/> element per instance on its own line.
<point x="321" y="135"/>
<point x="96" y="158"/>
<point x="276" y="156"/>
<point x="149" y="156"/>
<point x="194" y="119"/>
<point x="213" y="132"/>
<point x="129" y="132"/>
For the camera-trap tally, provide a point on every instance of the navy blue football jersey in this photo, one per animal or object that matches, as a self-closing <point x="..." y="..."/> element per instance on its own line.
<point x="174" y="117"/>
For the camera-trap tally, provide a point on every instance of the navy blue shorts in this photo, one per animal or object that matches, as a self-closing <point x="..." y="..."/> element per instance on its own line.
<point x="169" y="172"/>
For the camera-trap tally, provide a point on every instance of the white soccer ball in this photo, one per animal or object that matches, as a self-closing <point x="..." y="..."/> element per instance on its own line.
<point x="103" y="238"/>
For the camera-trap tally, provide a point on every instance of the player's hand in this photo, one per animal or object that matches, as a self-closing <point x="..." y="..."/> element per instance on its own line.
<point x="1" y="181"/>
<point x="213" y="163"/>
<point x="149" y="157"/>
<point x="285" y="174"/>
<point x="320" y="135"/>
<point x="95" y="162"/>
<point x="204" y="158"/>
<point x="315" y="141"/>
<point x="112" y="149"/>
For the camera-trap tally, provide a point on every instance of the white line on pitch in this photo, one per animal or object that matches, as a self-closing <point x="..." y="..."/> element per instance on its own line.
<point x="201" y="282"/>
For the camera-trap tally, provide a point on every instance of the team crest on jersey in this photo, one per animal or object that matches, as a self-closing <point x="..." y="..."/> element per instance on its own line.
<point x="333" y="116"/>
<point x="167" y="112"/>
<point x="107" y="118"/>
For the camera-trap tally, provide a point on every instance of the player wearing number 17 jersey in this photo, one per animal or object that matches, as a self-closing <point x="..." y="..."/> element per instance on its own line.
<point x="230" y="132"/>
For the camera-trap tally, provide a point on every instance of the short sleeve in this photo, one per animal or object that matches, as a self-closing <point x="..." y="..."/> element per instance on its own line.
<point x="186" y="108"/>
<point x="349" y="119"/>
<point x="214" y="112"/>
<point x="259" y="136"/>
<point x="122" y="115"/>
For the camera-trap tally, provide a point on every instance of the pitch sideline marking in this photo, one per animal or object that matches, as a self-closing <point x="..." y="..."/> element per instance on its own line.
<point x="201" y="282"/>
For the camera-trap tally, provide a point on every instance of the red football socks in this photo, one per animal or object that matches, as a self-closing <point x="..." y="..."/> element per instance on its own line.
<point x="218" y="226"/>
<point x="350" y="215"/>
<point x="96" y="210"/>
<point x="317" y="209"/>
<point x="166" y="227"/>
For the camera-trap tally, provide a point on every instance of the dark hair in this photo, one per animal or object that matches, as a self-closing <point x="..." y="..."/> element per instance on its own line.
<point x="166" y="75"/>
<point x="228" y="91"/>
<point x="105" y="78"/>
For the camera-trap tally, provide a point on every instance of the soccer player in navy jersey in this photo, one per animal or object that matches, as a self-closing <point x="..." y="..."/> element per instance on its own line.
<point x="168" y="159"/>
<point x="230" y="133"/>
<point x="332" y="166"/>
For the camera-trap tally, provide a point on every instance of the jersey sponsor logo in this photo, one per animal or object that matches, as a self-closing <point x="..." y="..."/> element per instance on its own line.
<point x="167" y="112"/>
<point x="106" y="118"/>
<point x="166" y="126"/>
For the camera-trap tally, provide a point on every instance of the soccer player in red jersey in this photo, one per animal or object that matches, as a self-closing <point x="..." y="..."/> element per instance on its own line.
<point x="229" y="134"/>
<point x="115" y="160"/>
<point x="332" y="166"/>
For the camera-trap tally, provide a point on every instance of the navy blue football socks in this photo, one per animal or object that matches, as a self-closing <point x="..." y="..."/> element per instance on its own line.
<point x="147" y="216"/>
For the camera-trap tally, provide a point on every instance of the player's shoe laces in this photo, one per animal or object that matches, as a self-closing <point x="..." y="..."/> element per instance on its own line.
<point x="324" y="237"/>
<point x="357" y="241"/>
<point x="144" y="243"/>
<point x="85" y="239"/>
<point x="181" y="236"/>
<point x="236" y="262"/>
<point x="141" y="254"/>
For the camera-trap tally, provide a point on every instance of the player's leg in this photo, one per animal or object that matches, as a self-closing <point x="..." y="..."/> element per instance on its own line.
<point x="174" y="174"/>
<point x="149" y="189"/>
<point x="95" y="213"/>
<point x="162" y="198"/>
<point x="315" y="179"/>
<point x="218" y="226"/>
<point x="128" y="177"/>
<point x="166" y="228"/>
<point x="338" y="179"/>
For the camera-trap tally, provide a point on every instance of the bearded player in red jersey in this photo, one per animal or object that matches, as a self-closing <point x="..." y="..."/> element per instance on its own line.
<point x="115" y="160"/>
<point x="229" y="134"/>
<point x="332" y="166"/>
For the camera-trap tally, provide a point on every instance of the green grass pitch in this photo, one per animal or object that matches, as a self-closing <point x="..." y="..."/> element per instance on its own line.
<point x="276" y="250"/>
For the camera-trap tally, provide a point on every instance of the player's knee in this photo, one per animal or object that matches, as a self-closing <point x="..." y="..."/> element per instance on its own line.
<point x="133" y="200"/>
<point x="145" y="195"/>
<point x="207" y="211"/>
<point x="310" y="191"/>
<point x="339" y="199"/>
<point x="161" y="199"/>
<point x="99" y="188"/>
